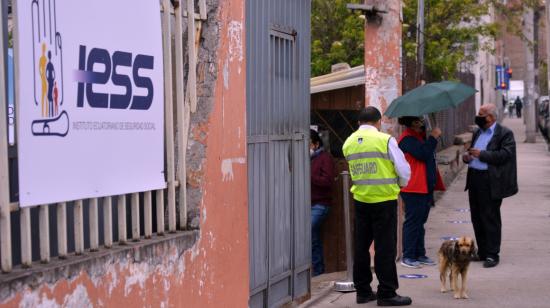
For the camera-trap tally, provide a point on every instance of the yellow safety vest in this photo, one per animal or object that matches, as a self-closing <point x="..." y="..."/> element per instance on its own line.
<point x="372" y="172"/>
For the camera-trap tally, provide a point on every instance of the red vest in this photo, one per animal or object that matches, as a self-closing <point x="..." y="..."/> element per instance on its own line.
<point x="419" y="182"/>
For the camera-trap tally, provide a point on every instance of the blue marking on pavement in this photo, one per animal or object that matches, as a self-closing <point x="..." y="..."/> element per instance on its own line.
<point x="451" y="238"/>
<point x="413" y="276"/>
<point x="459" y="221"/>
<point x="463" y="210"/>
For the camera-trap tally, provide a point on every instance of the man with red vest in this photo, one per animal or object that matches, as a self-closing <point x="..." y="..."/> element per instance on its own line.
<point x="418" y="194"/>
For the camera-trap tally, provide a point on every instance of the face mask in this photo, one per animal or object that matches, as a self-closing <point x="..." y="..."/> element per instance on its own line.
<point x="419" y="124"/>
<point x="481" y="121"/>
<point x="311" y="152"/>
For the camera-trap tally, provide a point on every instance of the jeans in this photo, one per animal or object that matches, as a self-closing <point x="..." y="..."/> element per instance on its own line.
<point x="417" y="209"/>
<point x="318" y="214"/>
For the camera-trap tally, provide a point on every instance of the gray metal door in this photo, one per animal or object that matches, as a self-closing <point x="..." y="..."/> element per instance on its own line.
<point x="278" y="39"/>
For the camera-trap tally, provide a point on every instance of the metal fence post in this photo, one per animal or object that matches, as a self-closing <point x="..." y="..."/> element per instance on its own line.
<point x="347" y="284"/>
<point x="5" y="222"/>
<point x="169" y="114"/>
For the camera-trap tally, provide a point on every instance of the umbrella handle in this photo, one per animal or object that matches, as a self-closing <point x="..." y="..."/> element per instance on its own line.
<point x="431" y="122"/>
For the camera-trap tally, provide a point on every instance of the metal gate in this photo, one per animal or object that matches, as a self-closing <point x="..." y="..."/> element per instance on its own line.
<point x="278" y="60"/>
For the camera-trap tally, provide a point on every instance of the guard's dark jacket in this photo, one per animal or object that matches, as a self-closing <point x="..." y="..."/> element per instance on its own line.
<point x="500" y="156"/>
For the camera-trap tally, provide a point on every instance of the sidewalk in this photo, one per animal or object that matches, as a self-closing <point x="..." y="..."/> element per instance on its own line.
<point x="522" y="279"/>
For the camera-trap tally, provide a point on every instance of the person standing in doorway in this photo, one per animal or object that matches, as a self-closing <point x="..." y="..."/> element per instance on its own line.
<point x="378" y="169"/>
<point x="418" y="194"/>
<point x="519" y="105"/>
<point x="492" y="176"/>
<point x="322" y="179"/>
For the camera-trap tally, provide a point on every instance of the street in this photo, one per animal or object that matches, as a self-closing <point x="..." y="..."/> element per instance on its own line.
<point x="522" y="277"/>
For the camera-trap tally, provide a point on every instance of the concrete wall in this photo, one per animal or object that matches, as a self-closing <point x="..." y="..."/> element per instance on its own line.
<point x="203" y="268"/>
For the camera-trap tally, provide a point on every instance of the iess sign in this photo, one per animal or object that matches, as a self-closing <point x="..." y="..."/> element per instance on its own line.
<point x="89" y="78"/>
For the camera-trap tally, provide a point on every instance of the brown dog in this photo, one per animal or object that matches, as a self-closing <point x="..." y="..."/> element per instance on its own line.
<point x="456" y="256"/>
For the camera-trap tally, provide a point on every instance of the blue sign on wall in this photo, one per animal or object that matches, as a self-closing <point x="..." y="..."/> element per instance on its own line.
<point x="503" y="76"/>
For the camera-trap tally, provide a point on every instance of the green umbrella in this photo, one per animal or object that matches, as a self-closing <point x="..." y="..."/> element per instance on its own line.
<point x="429" y="98"/>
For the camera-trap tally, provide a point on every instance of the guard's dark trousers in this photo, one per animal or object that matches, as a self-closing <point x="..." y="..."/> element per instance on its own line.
<point x="485" y="213"/>
<point x="378" y="222"/>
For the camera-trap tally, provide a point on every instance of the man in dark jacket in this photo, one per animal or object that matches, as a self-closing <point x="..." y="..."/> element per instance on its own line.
<point x="492" y="176"/>
<point x="519" y="105"/>
<point x="322" y="179"/>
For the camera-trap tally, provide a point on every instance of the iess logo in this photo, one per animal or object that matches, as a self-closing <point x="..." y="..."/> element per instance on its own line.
<point x="87" y="77"/>
<point x="47" y="71"/>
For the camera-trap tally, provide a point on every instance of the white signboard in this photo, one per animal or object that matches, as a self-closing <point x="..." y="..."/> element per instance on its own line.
<point x="89" y="99"/>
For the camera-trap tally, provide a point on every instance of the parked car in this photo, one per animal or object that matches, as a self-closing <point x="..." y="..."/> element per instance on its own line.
<point x="543" y="116"/>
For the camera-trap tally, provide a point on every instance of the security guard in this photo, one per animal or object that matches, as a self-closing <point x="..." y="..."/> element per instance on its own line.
<point x="378" y="168"/>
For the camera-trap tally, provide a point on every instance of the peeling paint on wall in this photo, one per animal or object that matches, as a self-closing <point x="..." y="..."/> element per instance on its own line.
<point x="226" y="75"/>
<point x="227" y="167"/>
<point x="138" y="276"/>
<point x="235" y="32"/>
<point x="79" y="298"/>
<point x="31" y="300"/>
<point x="383" y="60"/>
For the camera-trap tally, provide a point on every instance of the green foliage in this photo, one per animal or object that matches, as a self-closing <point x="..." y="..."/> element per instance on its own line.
<point x="337" y="35"/>
<point x="454" y="31"/>
<point x="543" y="78"/>
<point x="512" y="15"/>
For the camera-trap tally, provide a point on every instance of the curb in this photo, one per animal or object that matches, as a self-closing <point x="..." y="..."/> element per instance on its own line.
<point x="318" y="297"/>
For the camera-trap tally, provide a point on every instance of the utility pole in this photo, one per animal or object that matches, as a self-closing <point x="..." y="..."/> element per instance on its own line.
<point x="529" y="89"/>
<point x="383" y="47"/>
<point x="420" y="43"/>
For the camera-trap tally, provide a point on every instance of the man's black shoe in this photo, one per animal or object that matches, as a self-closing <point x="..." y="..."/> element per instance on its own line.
<point x="395" y="301"/>
<point x="490" y="262"/>
<point x="366" y="299"/>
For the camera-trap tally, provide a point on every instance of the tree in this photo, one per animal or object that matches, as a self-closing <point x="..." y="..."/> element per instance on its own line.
<point x="452" y="32"/>
<point x="455" y="30"/>
<point x="512" y="15"/>
<point x="337" y="35"/>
